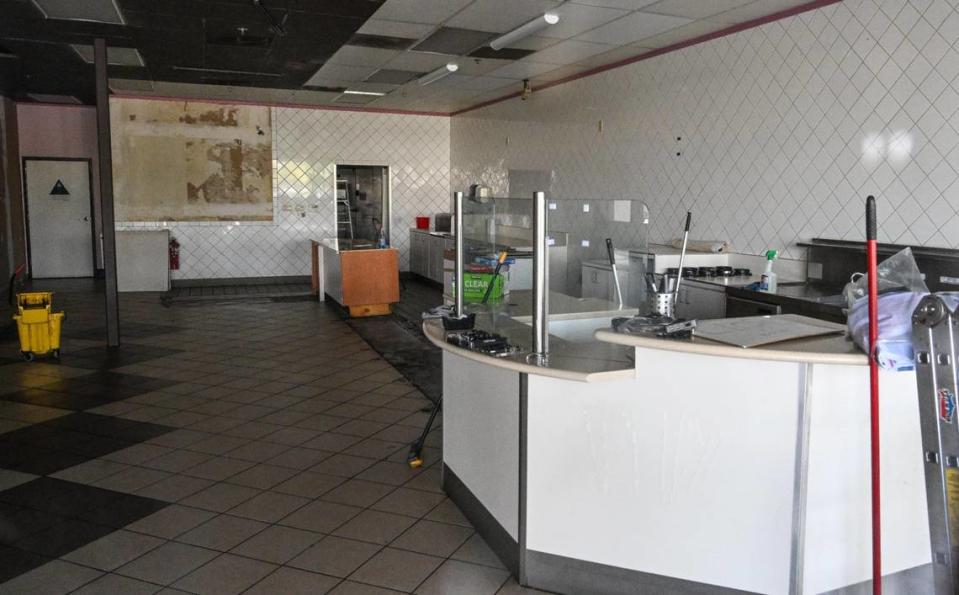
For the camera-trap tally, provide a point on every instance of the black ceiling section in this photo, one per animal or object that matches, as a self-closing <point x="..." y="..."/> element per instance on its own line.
<point x="450" y="40"/>
<point x="503" y="54"/>
<point x="381" y="42"/>
<point x="200" y="38"/>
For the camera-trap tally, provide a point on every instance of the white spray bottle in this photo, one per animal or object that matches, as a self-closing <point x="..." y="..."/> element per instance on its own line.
<point x="767" y="282"/>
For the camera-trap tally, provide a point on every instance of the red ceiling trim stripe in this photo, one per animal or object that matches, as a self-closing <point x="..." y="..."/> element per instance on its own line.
<point x="663" y="50"/>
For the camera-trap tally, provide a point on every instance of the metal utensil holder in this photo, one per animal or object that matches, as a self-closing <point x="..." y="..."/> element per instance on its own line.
<point x="662" y="303"/>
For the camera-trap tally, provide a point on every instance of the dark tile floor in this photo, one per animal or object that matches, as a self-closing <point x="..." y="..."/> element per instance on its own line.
<point x="253" y="447"/>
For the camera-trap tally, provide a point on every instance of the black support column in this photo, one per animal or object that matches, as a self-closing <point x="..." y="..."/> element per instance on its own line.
<point x="106" y="192"/>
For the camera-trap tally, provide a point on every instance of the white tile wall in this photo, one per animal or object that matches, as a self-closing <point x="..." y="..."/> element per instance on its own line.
<point x="306" y="145"/>
<point x="770" y="136"/>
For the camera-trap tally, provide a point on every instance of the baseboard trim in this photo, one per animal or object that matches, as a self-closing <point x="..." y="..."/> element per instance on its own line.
<point x="503" y="545"/>
<point x="220" y="282"/>
<point x="567" y="575"/>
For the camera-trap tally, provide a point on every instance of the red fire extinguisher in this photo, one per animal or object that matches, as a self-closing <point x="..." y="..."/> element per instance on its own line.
<point x="174" y="255"/>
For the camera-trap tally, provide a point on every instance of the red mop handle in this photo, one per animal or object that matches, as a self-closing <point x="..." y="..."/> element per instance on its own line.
<point x="873" y="281"/>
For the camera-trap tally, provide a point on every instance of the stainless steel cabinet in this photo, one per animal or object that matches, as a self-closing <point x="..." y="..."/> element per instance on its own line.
<point x="426" y="255"/>
<point x="419" y="253"/>
<point x="437" y="245"/>
<point x="700" y="301"/>
<point x="598" y="282"/>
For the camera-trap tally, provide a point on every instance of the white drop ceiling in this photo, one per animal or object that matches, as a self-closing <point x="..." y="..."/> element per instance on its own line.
<point x="590" y="34"/>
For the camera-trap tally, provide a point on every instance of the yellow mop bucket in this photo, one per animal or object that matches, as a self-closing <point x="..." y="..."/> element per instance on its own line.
<point x="38" y="327"/>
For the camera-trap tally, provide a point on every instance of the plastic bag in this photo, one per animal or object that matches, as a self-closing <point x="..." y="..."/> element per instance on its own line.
<point x="894" y="346"/>
<point x="897" y="273"/>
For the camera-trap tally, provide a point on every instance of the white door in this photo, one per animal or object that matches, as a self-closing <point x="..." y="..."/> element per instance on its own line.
<point x="58" y="218"/>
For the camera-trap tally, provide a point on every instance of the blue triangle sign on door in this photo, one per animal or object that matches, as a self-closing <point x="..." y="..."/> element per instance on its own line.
<point x="59" y="189"/>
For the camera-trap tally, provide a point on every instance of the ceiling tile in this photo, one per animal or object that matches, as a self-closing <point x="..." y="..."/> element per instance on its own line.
<point x="372" y="87"/>
<point x="500" y="16"/>
<point x="683" y="33"/>
<point x="611" y="57"/>
<point x="312" y="97"/>
<point x="633" y="27"/>
<point x="534" y="42"/>
<point x="354" y="55"/>
<point x="480" y="66"/>
<point x="755" y="10"/>
<point x="431" y="12"/>
<point x="694" y="9"/>
<point x="116" y="55"/>
<point x="624" y="4"/>
<point x="569" y="52"/>
<point x="395" y="29"/>
<point x="555" y="75"/>
<point x="474" y="83"/>
<point x="130" y="85"/>
<point x="100" y="11"/>
<point x="523" y="70"/>
<point x="339" y="72"/>
<point x="393" y="77"/>
<point x="420" y="61"/>
<point x="450" y="40"/>
<point x="355" y="99"/>
<point x="579" y="18"/>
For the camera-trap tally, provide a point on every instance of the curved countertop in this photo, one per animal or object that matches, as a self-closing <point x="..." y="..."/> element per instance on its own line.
<point x="563" y="363"/>
<point x="833" y="349"/>
<point x="582" y="361"/>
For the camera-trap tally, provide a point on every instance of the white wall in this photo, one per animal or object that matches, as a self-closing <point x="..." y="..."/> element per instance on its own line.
<point x="785" y="128"/>
<point x="306" y="145"/>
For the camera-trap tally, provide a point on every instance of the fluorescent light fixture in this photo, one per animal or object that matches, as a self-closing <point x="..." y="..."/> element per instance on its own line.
<point x="225" y="71"/>
<point x="523" y="31"/>
<point x="439" y="73"/>
<point x="373" y="93"/>
<point x="50" y="98"/>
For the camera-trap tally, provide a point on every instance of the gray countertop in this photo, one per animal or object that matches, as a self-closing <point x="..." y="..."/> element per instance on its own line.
<point x="584" y="361"/>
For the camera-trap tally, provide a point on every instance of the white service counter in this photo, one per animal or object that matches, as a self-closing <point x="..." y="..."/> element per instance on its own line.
<point x="704" y="469"/>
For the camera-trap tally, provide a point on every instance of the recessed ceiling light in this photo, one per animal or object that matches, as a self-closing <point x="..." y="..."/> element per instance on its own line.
<point x="374" y="93"/>
<point x="439" y="73"/>
<point x="97" y="11"/>
<point x="537" y="24"/>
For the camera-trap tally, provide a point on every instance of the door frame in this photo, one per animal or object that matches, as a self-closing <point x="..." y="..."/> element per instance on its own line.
<point x="26" y="208"/>
<point x="387" y="188"/>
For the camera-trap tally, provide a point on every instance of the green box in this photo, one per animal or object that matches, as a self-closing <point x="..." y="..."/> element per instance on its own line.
<point x="475" y="284"/>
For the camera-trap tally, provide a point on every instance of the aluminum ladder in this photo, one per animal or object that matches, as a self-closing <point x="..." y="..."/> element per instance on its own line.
<point x="344" y="210"/>
<point x="935" y="330"/>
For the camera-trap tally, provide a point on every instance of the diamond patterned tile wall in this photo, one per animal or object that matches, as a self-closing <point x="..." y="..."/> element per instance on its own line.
<point x="307" y="143"/>
<point x="771" y="136"/>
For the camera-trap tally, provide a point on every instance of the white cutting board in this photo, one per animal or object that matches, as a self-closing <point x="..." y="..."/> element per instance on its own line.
<point x="753" y="331"/>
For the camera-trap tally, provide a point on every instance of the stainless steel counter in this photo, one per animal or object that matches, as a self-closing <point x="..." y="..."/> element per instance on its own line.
<point x="574" y="353"/>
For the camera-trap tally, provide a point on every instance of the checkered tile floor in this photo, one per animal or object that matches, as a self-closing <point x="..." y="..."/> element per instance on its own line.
<point x="225" y="448"/>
